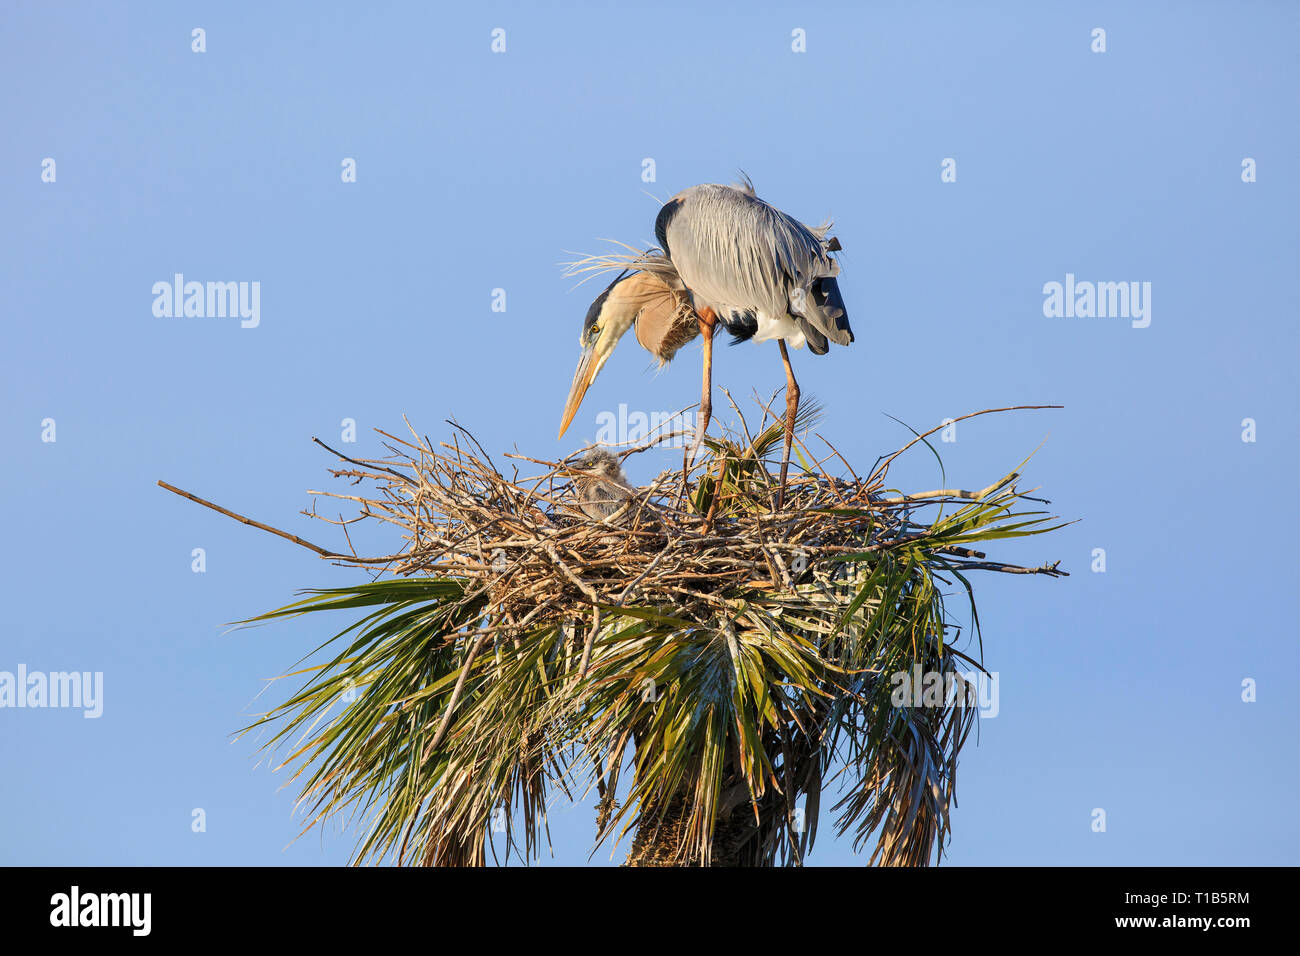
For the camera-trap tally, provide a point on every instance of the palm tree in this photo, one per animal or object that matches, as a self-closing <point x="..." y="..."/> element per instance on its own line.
<point x="751" y="666"/>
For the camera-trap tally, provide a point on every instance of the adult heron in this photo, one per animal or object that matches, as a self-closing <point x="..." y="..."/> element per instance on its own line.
<point x="729" y="259"/>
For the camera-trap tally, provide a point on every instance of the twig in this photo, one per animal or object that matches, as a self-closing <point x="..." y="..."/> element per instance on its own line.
<point x="360" y="464"/>
<point x="255" y="524"/>
<point x="951" y="493"/>
<point x="940" y="427"/>
<point x="455" y="695"/>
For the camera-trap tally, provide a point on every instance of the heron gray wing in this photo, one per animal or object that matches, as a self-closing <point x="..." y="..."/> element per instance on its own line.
<point x="736" y="252"/>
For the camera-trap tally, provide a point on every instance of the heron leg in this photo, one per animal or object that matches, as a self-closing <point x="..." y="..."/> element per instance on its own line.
<point x="708" y="323"/>
<point x="791" y="408"/>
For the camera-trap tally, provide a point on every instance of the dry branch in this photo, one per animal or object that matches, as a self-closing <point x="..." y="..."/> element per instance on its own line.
<point x="461" y="517"/>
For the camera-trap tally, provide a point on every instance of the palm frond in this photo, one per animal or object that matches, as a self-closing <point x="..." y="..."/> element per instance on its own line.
<point x="707" y="665"/>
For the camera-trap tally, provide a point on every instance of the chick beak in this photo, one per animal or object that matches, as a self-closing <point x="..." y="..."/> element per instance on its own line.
<point x="588" y="365"/>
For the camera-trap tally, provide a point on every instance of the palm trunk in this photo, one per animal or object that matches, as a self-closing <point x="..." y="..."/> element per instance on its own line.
<point x="659" y="840"/>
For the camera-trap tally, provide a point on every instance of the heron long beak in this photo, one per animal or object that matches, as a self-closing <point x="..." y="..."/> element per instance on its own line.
<point x="588" y="365"/>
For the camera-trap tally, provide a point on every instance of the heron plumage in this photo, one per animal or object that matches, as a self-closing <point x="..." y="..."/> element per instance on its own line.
<point x="742" y="257"/>
<point x="727" y="258"/>
<point x="602" y="487"/>
<point x="660" y="314"/>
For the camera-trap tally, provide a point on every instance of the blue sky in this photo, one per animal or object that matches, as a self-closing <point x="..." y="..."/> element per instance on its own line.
<point x="477" y="171"/>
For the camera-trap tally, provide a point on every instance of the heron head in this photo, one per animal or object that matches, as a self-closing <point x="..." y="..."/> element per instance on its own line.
<point x="610" y="316"/>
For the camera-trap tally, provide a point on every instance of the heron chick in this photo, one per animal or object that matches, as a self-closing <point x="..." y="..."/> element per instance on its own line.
<point x="603" y="488"/>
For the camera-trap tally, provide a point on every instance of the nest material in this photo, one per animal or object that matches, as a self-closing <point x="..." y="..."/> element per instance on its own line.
<point x="826" y="597"/>
<point x="577" y="535"/>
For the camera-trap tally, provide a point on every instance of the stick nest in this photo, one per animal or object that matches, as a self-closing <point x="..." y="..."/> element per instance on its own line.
<point x="524" y="616"/>
<point x="570" y="536"/>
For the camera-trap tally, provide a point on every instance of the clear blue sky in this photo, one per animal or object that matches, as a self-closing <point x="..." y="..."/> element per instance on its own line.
<point x="1119" y="690"/>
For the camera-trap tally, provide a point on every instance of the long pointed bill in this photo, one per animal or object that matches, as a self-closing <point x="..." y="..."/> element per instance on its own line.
<point x="588" y="365"/>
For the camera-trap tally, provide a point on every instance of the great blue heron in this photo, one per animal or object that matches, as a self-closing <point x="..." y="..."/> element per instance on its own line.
<point x="726" y="258"/>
